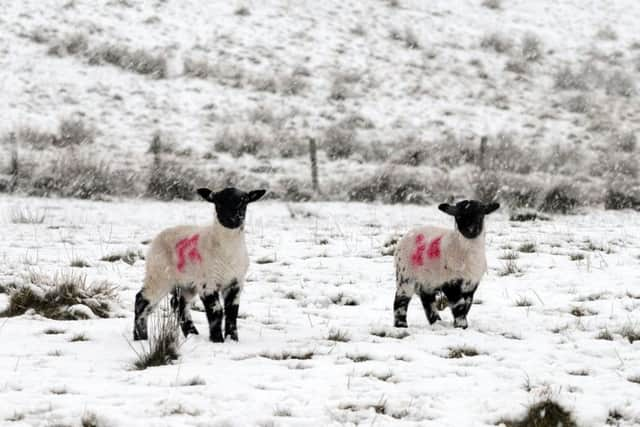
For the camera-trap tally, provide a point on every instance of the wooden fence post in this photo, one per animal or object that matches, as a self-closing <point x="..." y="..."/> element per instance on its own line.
<point x="14" y="167"/>
<point x="483" y="151"/>
<point x="313" y="154"/>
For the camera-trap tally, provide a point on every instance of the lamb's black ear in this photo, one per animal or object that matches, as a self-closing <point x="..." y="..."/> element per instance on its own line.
<point x="491" y="207"/>
<point x="255" y="195"/>
<point x="206" y="194"/>
<point x="448" y="209"/>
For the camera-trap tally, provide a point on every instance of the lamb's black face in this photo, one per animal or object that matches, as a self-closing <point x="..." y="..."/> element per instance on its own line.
<point x="231" y="204"/>
<point x="469" y="215"/>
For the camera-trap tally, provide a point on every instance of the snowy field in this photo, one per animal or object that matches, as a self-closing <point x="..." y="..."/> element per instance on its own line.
<point x="318" y="272"/>
<point x="397" y="94"/>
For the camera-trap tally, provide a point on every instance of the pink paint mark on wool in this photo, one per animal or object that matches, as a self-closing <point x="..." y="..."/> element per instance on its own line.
<point x="432" y="251"/>
<point x="417" y="257"/>
<point x="434" y="248"/>
<point x="188" y="249"/>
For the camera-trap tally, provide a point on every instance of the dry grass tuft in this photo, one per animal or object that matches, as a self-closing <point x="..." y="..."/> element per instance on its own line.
<point x="26" y="215"/>
<point x="129" y="256"/>
<point x="164" y="340"/>
<point x="288" y="355"/>
<point x="459" y="352"/>
<point x="134" y="60"/>
<point x="66" y="296"/>
<point x="338" y="335"/>
<point x="384" y="332"/>
<point x="545" y="413"/>
<point x="631" y="332"/>
<point x="510" y="267"/>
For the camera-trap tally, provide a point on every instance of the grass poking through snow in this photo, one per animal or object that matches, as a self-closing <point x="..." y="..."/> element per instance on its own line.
<point x="17" y="416"/>
<point x="546" y="413"/>
<point x="359" y="357"/>
<point x="90" y="419"/>
<point x="381" y="376"/>
<point x="523" y="301"/>
<point x="604" y="335"/>
<point x="288" y="355"/>
<point x="582" y="311"/>
<point x="66" y="296"/>
<point x="192" y="382"/>
<point x="81" y="337"/>
<point x="26" y="215"/>
<point x="528" y="216"/>
<point x="509" y="255"/>
<point x="527" y="247"/>
<point x="281" y="411"/>
<point x="510" y="267"/>
<point x="79" y="263"/>
<point x="129" y="256"/>
<point x="634" y="379"/>
<point x="164" y="341"/>
<point x="343" y="299"/>
<point x="338" y="335"/>
<point x="459" y="352"/>
<point x="384" y="332"/>
<point x="631" y="332"/>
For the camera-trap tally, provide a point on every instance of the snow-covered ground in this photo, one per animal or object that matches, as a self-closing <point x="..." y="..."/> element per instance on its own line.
<point x="552" y="317"/>
<point x="308" y="260"/>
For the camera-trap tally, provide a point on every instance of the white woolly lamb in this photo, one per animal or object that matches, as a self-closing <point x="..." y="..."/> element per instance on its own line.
<point x="209" y="261"/>
<point x="431" y="259"/>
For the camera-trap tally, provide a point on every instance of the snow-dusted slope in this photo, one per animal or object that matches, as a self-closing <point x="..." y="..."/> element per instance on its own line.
<point x="535" y="331"/>
<point x="440" y="82"/>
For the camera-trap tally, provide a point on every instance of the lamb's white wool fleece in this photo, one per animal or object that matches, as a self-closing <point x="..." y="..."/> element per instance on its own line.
<point x="220" y="257"/>
<point x="457" y="257"/>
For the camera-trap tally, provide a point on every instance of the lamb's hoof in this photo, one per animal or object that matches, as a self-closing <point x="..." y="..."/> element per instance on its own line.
<point x="400" y="324"/>
<point x="189" y="328"/>
<point x="216" y="338"/>
<point x="460" y="323"/>
<point x="137" y="336"/>
<point x="233" y="336"/>
<point x="434" y="319"/>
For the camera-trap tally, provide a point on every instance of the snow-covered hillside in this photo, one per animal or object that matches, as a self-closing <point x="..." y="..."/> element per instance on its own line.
<point x="554" y="318"/>
<point x="553" y="81"/>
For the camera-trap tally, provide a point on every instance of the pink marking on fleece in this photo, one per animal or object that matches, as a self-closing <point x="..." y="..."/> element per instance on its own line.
<point x="188" y="249"/>
<point x="434" y="248"/>
<point x="417" y="257"/>
<point x="433" y="251"/>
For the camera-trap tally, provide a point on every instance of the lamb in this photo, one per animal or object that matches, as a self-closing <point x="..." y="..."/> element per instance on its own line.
<point x="209" y="261"/>
<point x="430" y="260"/>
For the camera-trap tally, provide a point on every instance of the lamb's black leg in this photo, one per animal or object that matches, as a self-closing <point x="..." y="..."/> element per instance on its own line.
<point x="460" y="296"/>
<point x="400" y="307"/>
<point x="213" y="308"/>
<point x="231" y="296"/>
<point x="142" y="309"/>
<point x="428" y="299"/>
<point x="404" y="291"/>
<point x="181" y="308"/>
